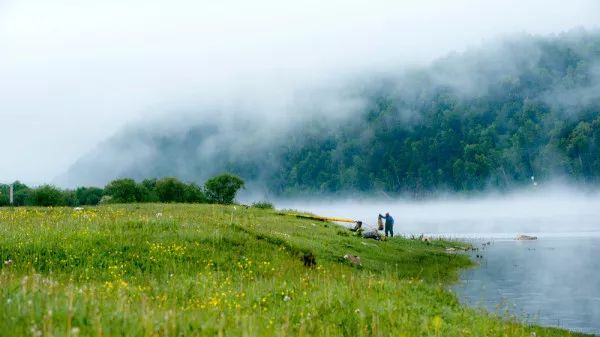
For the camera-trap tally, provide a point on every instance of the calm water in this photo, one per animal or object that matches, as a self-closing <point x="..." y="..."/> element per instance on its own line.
<point x="553" y="281"/>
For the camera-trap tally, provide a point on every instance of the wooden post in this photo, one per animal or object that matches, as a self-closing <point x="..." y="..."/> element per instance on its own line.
<point x="10" y="193"/>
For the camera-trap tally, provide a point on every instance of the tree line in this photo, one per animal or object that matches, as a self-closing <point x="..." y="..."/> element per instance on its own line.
<point x="489" y="118"/>
<point x="220" y="189"/>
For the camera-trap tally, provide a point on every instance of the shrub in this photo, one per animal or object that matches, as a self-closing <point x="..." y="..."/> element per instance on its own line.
<point x="223" y="188"/>
<point x="88" y="195"/>
<point x="220" y="189"/>
<point x="194" y="194"/>
<point x="20" y="197"/>
<point x="20" y="193"/>
<point x="263" y="205"/>
<point x="148" y="190"/>
<point x="69" y="198"/>
<point x="46" y="195"/>
<point x="4" y="197"/>
<point x="123" y="191"/>
<point x="106" y="199"/>
<point x="170" y="189"/>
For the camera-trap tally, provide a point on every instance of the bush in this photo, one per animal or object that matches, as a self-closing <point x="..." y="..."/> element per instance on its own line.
<point x="123" y="191"/>
<point x="46" y="195"/>
<point x="88" y="195"/>
<point x="170" y="190"/>
<point x="4" y="197"/>
<point x="69" y="198"/>
<point x="220" y="189"/>
<point x="223" y="188"/>
<point x="263" y="205"/>
<point x="106" y="199"/>
<point x="20" y="193"/>
<point x="148" y="190"/>
<point x="20" y="197"/>
<point x="194" y="194"/>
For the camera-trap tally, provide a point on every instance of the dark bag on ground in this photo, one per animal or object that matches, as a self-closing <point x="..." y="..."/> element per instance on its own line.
<point x="373" y="234"/>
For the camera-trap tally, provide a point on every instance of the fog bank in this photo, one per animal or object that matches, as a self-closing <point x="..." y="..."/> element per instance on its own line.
<point x="72" y="74"/>
<point x="552" y="211"/>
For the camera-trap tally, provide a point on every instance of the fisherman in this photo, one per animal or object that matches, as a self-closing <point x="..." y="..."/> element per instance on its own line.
<point x="389" y="224"/>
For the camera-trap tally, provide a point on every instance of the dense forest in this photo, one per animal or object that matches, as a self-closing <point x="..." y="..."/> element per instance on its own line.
<point x="487" y="118"/>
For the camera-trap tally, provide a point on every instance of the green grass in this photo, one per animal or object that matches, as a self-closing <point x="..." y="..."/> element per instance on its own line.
<point x="205" y="270"/>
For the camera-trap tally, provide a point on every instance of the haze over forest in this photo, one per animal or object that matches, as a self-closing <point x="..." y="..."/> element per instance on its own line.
<point x="363" y="97"/>
<point x="491" y="117"/>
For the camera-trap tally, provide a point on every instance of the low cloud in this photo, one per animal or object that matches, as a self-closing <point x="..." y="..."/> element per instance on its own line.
<point x="74" y="74"/>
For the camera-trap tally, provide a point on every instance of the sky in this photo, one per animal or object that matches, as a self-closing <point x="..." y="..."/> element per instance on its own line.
<point x="72" y="73"/>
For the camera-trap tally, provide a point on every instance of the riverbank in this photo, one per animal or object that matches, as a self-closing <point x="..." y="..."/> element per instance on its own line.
<point x="190" y="270"/>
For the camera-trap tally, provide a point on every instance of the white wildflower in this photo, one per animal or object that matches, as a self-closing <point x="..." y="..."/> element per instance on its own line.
<point x="35" y="331"/>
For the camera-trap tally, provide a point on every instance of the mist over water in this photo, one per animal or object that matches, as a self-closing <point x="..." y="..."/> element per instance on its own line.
<point x="552" y="281"/>
<point x="547" y="212"/>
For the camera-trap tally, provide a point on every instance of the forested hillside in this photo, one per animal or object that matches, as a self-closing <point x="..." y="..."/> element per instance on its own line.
<point x="487" y="118"/>
<point x="527" y="117"/>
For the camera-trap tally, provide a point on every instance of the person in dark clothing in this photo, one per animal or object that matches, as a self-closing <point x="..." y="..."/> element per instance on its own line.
<point x="389" y="224"/>
<point x="357" y="227"/>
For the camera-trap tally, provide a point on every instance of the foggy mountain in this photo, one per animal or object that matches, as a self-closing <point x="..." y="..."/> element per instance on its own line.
<point x="490" y="117"/>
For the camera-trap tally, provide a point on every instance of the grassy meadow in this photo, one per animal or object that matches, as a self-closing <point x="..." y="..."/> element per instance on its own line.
<point x="211" y="270"/>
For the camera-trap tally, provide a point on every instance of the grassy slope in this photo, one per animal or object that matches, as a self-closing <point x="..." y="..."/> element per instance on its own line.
<point x="218" y="270"/>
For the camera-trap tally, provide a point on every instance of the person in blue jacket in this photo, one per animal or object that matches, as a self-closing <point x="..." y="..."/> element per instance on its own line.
<point x="389" y="224"/>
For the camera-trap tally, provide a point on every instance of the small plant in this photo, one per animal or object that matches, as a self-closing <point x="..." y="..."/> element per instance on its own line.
<point x="343" y="233"/>
<point x="263" y="205"/>
<point x="106" y="199"/>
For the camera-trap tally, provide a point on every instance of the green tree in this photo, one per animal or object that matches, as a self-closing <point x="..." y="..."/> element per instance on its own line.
<point x="88" y="195"/>
<point x="194" y="194"/>
<point x="70" y="198"/>
<point x="46" y="195"/>
<point x="170" y="189"/>
<point x="4" y="197"/>
<point x="123" y="191"/>
<point x="148" y="190"/>
<point x="21" y="193"/>
<point x="223" y="188"/>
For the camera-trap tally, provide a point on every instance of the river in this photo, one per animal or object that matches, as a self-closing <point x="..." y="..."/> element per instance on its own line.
<point x="552" y="281"/>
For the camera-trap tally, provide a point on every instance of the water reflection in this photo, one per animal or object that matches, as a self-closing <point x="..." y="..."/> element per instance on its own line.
<point x="553" y="281"/>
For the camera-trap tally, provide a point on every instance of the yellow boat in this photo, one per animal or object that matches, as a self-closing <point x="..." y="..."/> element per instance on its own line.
<point x="323" y="218"/>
